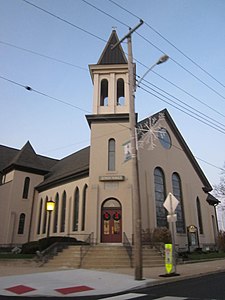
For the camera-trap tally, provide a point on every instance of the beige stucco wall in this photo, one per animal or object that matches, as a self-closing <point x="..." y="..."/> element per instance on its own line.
<point x="170" y="161"/>
<point x="12" y="205"/>
<point x="99" y="191"/>
<point x="69" y="189"/>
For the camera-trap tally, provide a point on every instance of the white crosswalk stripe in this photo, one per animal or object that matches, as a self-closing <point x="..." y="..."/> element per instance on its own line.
<point x="171" y="298"/>
<point x="135" y="295"/>
<point x="125" y="296"/>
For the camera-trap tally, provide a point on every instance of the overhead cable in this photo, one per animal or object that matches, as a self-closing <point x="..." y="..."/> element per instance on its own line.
<point x="170" y="43"/>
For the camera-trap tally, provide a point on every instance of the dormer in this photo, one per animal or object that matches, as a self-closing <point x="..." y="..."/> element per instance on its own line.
<point x="110" y="79"/>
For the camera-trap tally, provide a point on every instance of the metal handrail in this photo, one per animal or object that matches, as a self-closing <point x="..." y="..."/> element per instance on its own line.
<point x="88" y="243"/>
<point x="52" y="250"/>
<point x="128" y="246"/>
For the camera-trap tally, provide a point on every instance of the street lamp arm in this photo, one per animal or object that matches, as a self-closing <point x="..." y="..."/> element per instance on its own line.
<point x="161" y="60"/>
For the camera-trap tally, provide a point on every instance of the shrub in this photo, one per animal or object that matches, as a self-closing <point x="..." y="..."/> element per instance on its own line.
<point x="42" y="244"/>
<point x="161" y="235"/>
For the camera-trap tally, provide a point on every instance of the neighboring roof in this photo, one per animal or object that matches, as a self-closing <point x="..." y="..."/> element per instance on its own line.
<point x="207" y="187"/>
<point x="69" y="168"/>
<point x="212" y="200"/>
<point x="24" y="159"/>
<point x="115" y="56"/>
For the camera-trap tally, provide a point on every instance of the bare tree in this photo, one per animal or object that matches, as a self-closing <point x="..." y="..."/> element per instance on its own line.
<point x="219" y="189"/>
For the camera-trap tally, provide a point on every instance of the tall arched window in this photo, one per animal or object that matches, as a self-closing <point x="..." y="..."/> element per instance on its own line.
<point x="160" y="196"/>
<point x="44" y="213"/>
<point x="63" y="213"/>
<point x="84" y="207"/>
<point x="104" y="93"/>
<point x="111" y="155"/>
<point x="21" y="224"/>
<point x="76" y="210"/>
<point x="199" y="212"/>
<point x="55" y="214"/>
<point x="26" y="187"/>
<point x="177" y="192"/>
<point x="120" y="92"/>
<point x="39" y="217"/>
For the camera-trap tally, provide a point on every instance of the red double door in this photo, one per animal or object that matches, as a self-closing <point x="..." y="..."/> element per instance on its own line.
<point x="111" y="225"/>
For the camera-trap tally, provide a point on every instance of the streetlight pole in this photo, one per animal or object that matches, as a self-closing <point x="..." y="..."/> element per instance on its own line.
<point x="135" y="178"/>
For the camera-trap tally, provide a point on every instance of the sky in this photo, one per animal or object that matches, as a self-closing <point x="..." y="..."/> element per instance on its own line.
<point x="50" y="52"/>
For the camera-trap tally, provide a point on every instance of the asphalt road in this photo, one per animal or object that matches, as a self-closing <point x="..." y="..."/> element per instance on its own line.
<point x="206" y="287"/>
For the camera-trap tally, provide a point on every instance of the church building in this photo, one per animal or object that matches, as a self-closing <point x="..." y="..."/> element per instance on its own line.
<point x="92" y="188"/>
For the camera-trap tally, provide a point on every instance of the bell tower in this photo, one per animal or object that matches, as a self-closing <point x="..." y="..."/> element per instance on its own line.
<point x="110" y="79"/>
<point x="109" y="188"/>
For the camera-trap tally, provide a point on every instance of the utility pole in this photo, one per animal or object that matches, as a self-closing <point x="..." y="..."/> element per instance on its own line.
<point x="135" y="178"/>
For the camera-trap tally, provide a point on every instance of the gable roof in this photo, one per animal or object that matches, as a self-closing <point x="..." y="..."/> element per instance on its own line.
<point x="207" y="187"/>
<point x="115" y="56"/>
<point x="69" y="168"/>
<point x="25" y="159"/>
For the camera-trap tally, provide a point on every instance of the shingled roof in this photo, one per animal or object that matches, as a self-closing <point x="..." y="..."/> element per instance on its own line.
<point x="24" y="159"/>
<point x="72" y="167"/>
<point x="115" y="56"/>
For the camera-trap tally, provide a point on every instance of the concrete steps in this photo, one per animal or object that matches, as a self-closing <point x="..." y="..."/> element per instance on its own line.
<point x="103" y="257"/>
<point x="69" y="257"/>
<point x="151" y="257"/>
<point x="106" y="257"/>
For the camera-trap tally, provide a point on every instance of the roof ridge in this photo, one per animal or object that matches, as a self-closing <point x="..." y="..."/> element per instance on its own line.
<point x="112" y="56"/>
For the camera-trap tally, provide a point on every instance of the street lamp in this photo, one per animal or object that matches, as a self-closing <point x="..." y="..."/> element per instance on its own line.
<point x="134" y="161"/>
<point x="161" y="60"/>
<point x="50" y="205"/>
<point x="136" y="186"/>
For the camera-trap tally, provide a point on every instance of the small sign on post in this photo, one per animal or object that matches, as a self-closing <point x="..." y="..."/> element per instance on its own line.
<point x="170" y="205"/>
<point x="169" y="258"/>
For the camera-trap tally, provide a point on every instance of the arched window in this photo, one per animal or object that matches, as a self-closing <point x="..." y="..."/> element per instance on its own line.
<point x="160" y="196"/>
<point x="76" y="210"/>
<point x="104" y="93"/>
<point x="84" y="207"/>
<point x="26" y="187"/>
<point x="63" y="213"/>
<point x="45" y="216"/>
<point x="55" y="214"/>
<point x="39" y="217"/>
<point x="198" y="204"/>
<point x="177" y="192"/>
<point x="120" y="92"/>
<point x="111" y="155"/>
<point x="21" y="223"/>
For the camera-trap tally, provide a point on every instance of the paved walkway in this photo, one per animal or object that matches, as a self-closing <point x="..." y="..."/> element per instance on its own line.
<point x="27" y="280"/>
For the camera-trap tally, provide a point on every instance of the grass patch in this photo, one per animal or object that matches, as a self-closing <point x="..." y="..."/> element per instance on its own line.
<point x="204" y="256"/>
<point x="16" y="256"/>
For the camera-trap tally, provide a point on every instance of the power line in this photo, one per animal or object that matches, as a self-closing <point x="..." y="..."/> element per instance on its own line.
<point x="43" y="55"/>
<point x="109" y="15"/>
<point x="28" y="88"/>
<point x="170" y="43"/>
<point x="184" y="110"/>
<point x="65" y="21"/>
<point x="185" y="104"/>
<point x="77" y="27"/>
<point x="189" y="94"/>
<point x="105" y="13"/>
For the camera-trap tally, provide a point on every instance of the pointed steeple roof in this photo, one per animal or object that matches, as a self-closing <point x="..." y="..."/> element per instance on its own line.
<point x="115" y="56"/>
<point x="26" y="158"/>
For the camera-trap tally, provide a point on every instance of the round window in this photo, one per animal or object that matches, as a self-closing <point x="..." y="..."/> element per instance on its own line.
<point x="164" y="138"/>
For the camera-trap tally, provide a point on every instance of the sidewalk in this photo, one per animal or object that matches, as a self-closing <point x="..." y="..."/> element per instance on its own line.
<point x="33" y="281"/>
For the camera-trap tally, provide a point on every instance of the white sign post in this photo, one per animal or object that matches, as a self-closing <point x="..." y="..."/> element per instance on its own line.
<point x="170" y="205"/>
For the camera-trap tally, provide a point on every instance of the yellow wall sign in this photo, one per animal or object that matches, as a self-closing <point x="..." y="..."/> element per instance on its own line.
<point x="168" y="258"/>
